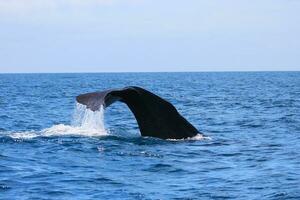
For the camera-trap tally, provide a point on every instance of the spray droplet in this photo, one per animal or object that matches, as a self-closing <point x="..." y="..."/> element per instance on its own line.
<point x="85" y="122"/>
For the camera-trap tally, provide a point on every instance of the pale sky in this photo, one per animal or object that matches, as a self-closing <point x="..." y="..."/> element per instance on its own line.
<point x="149" y="35"/>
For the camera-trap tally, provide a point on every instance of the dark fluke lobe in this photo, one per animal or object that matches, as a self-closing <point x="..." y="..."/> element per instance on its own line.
<point x="155" y="116"/>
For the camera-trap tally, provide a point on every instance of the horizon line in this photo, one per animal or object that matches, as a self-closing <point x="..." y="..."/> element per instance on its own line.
<point x="111" y="72"/>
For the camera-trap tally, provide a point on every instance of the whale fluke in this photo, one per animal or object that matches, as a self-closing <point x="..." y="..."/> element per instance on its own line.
<point x="155" y="116"/>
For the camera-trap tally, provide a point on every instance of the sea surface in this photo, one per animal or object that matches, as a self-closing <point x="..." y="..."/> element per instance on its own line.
<point x="53" y="148"/>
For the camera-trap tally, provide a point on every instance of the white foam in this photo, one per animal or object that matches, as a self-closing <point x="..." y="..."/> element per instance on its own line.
<point x="196" y="137"/>
<point x="85" y="123"/>
<point x="199" y="137"/>
<point x="23" y="135"/>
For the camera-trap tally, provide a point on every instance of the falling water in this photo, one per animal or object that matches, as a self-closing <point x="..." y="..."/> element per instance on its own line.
<point x="85" y="122"/>
<point x="87" y="119"/>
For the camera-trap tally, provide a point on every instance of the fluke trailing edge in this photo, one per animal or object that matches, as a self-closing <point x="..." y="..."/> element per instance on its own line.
<point x="155" y="116"/>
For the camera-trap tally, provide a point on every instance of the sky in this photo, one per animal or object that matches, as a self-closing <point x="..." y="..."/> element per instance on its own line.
<point x="149" y="35"/>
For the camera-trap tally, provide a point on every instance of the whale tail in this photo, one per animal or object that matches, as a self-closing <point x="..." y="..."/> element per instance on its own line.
<point x="155" y="116"/>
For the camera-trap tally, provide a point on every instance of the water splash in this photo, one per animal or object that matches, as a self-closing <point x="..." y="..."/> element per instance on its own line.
<point x="89" y="120"/>
<point x="85" y="123"/>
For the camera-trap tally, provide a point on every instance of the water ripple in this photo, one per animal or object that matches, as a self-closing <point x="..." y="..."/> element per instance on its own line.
<point x="251" y="119"/>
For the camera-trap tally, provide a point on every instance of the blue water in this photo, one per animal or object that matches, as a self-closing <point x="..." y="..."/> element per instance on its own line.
<point x="252" y="121"/>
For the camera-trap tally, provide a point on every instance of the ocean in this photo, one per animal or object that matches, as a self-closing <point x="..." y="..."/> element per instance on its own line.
<point x="53" y="148"/>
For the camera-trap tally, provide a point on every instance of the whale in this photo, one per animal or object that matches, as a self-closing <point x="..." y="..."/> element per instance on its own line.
<point x="155" y="116"/>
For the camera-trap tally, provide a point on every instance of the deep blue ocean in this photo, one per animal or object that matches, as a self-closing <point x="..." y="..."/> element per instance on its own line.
<point x="252" y="148"/>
